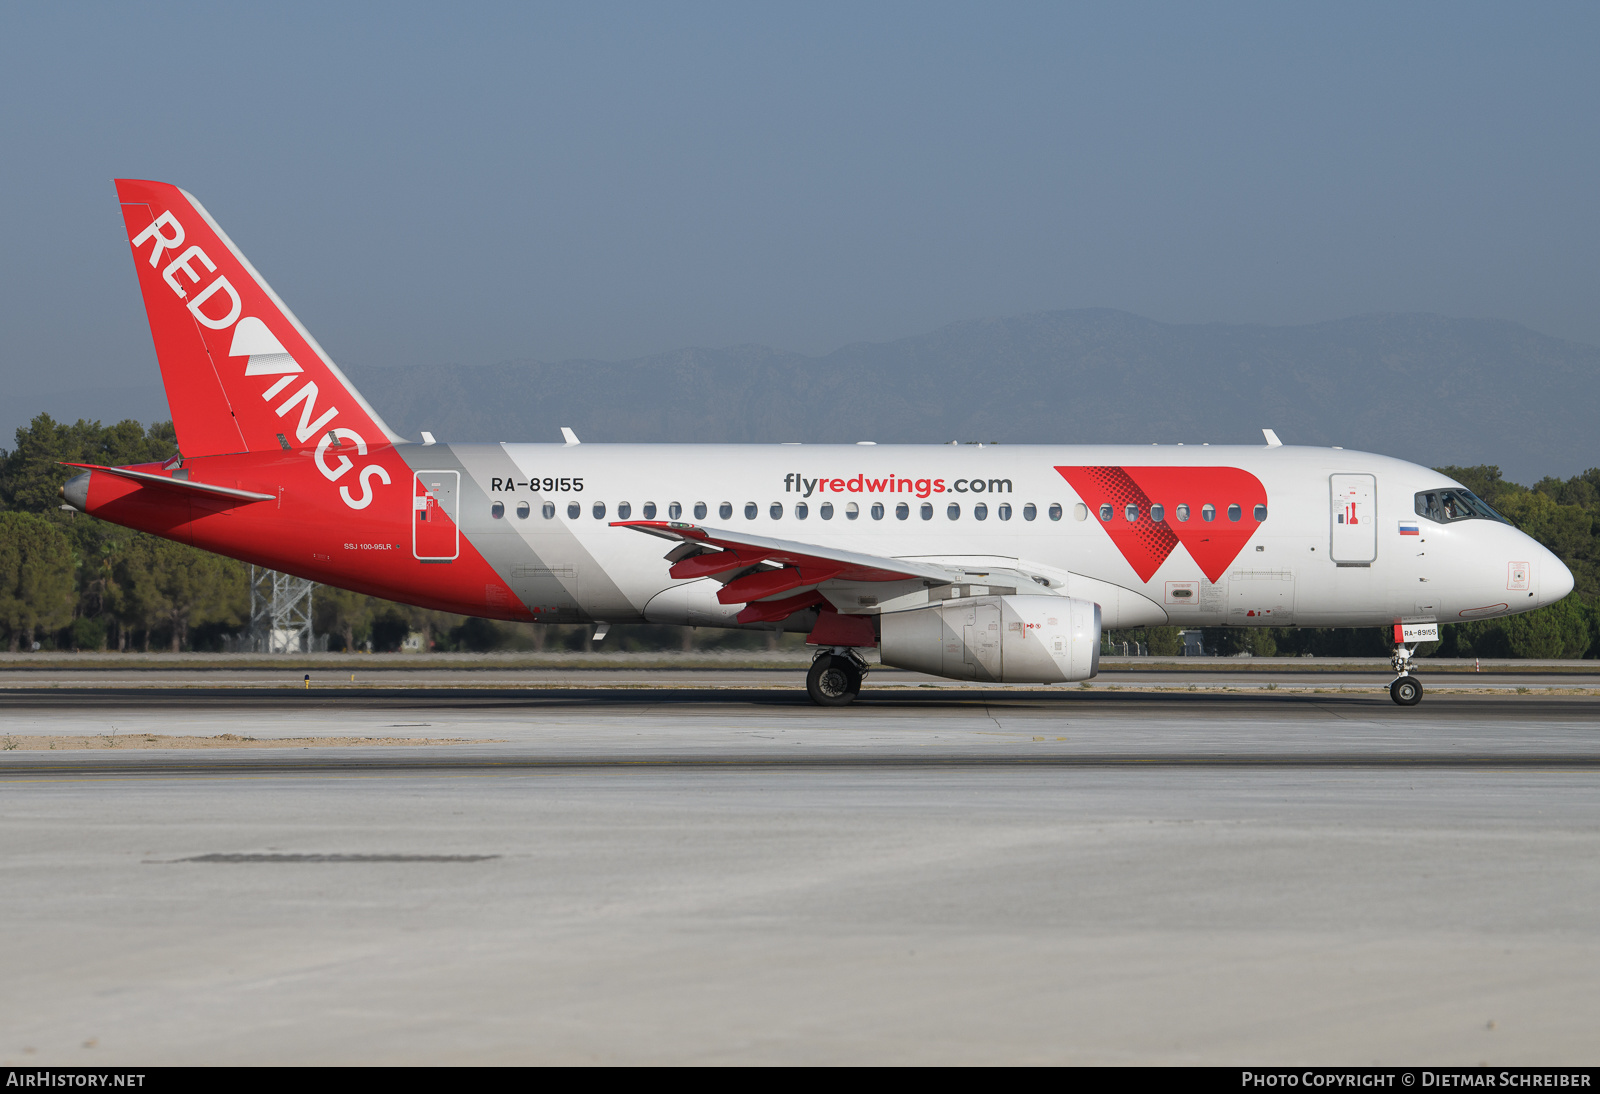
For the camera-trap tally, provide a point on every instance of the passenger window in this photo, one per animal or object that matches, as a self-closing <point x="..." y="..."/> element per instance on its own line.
<point x="1183" y="513"/>
<point x="825" y="511"/>
<point x="1234" y="512"/>
<point x="1105" y="512"/>
<point x="801" y="510"/>
<point x="1158" y="513"/>
<point x="877" y="510"/>
<point x="699" y="510"/>
<point x="674" y="511"/>
<point x="902" y="511"/>
<point x="1130" y="513"/>
<point x="599" y="510"/>
<point x="852" y="511"/>
<point x="1004" y="512"/>
<point x="648" y="510"/>
<point x="1080" y="511"/>
<point x="1055" y="511"/>
<point x="574" y="510"/>
<point x="1208" y="511"/>
<point x="953" y="512"/>
<point x="750" y="510"/>
<point x="497" y="510"/>
<point x="1029" y="511"/>
<point x="776" y="512"/>
<point x="980" y="511"/>
<point x="624" y="510"/>
<point x="1261" y="513"/>
<point x="725" y="510"/>
<point x="927" y="511"/>
<point x="549" y="510"/>
<point x="523" y="510"/>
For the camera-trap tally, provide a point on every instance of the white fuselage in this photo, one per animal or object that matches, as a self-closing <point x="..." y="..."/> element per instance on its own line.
<point x="1299" y="566"/>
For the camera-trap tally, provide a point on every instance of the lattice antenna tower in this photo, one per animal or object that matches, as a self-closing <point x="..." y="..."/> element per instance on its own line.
<point x="280" y="612"/>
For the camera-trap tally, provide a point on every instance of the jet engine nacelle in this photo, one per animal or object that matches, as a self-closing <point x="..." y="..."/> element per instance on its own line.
<point x="1001" y="639"/>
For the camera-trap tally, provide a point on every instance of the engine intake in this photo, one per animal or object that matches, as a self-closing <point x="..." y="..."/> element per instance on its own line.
<point x="1017" y="639"/>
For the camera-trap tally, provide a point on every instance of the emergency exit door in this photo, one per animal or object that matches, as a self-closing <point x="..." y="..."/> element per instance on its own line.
<point x="435" y="536"/>
<point x="1354" y="518"/>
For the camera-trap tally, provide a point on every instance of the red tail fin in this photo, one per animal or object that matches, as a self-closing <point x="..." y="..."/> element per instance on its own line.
<point x="241" y="373"/>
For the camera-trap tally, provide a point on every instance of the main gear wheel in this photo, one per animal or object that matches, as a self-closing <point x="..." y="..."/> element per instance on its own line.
<point x="834" y="680"/>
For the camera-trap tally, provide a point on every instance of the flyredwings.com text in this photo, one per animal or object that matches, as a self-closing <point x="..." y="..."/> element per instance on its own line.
<point x="892" y="484"/>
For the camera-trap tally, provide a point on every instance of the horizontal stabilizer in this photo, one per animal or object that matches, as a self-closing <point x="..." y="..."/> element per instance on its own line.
<point x="150" y="479"/>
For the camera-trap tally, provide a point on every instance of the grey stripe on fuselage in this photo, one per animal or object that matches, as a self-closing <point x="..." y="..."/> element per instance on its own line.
<point x="543" y="563"/>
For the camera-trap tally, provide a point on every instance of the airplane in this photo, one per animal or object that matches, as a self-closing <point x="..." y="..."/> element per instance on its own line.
<point x="979" y="562"/>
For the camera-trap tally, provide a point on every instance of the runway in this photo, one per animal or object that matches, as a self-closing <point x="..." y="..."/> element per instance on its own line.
<point x="728" y="874"/>
<point x="781" y="672"/>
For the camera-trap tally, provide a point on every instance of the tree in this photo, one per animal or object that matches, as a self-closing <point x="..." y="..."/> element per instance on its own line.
<point x="1163" y="641"/>
<point x="1233" y="641"/>
<point x="389" y="629"/>
<point x="1561" y="630"/>
<point x="31" y="474"/>
<point x="35" y="578"/>
<point x="344" y="613"/>
<point x="174" y="587"/>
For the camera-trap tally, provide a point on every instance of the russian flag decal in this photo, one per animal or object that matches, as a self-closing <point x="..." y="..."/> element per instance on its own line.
<point x="1409" y="529"/>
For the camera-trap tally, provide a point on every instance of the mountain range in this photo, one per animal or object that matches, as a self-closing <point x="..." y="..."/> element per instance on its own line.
<point x="1426" y="388"/>
<point x="1422" y="387"/>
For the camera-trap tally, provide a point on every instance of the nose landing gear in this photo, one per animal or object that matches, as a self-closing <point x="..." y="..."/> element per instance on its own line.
<point x="1406" y="690"/>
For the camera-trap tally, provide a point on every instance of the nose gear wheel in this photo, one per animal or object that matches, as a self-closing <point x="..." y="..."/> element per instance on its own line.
<point x="1406" y="691"/>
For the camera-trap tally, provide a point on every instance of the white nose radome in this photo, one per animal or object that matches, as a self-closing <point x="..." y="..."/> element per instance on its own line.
<point x="1555" y="580"/>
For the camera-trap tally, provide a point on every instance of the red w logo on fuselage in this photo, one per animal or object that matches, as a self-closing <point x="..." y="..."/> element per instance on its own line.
<point x="1210" y="510"/>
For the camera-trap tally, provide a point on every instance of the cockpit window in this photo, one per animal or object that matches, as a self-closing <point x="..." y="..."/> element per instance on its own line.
<point x="1446" y="506"/>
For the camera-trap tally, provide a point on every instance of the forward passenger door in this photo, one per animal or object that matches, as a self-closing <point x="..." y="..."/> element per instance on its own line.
<point x="1354" y="519"/>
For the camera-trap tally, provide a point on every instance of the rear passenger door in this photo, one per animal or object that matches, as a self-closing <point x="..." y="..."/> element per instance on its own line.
<point x="435" y="536"/>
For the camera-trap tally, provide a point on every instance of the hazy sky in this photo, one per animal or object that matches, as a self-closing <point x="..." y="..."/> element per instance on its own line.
<point x="478" y="182"/>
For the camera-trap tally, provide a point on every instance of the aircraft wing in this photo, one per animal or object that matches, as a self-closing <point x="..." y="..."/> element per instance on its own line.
<point x="776" y="567"/>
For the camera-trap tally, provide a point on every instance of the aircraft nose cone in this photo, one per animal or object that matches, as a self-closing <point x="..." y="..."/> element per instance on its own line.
<point x="1556" y="581"/>
<point x="76" y="492"/>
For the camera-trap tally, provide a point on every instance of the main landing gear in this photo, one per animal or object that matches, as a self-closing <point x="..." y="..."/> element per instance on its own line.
<point x="1406" y="690"/>
<point x="835" y="676"/>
